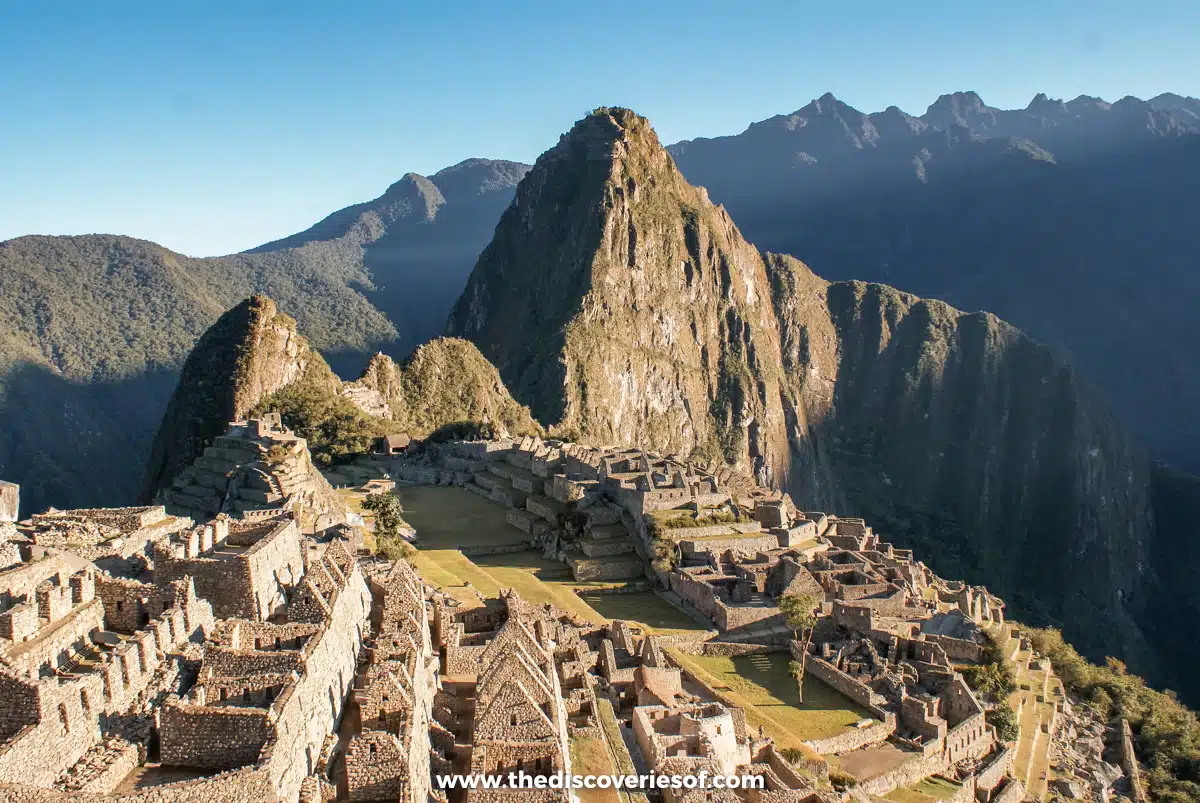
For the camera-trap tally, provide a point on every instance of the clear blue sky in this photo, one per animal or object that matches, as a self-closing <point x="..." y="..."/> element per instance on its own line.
<point x="211" y="128"/>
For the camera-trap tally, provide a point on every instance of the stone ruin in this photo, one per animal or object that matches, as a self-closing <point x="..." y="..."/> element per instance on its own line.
<point x="257" y="469"/>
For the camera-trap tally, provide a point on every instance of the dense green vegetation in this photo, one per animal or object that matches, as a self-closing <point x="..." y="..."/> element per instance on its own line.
<point x="994" y="677"/>
<point x="336" y="430"/>
<point x="93" y="333"/>
<point x="1166" y="733"/>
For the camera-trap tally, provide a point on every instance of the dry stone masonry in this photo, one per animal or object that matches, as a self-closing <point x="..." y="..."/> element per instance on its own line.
<point x="236" y="643"/>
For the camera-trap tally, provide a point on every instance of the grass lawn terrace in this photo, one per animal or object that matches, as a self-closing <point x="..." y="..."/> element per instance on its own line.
<point x="930" y="790"/>
<point x="763" y="685"/>
<point x="448" y="518"/>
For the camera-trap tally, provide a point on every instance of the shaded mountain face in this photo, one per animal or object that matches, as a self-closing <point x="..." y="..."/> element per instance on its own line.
<point x="1071" y="220"/>
<point x="419" y="241"/>
<point x="251" y="351"/>
<point x="95" y="328"/>
<point x="252" y="361"/>
<point x="93" y="332"/>
<point x="624" y="307"/>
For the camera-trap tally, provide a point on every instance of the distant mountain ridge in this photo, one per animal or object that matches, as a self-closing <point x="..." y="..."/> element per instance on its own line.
<point x="419" y="240"/>
<point x="96" y="328"/>
<point x="1070" y="219"/>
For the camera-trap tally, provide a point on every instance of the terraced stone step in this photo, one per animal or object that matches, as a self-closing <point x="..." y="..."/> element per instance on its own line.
<point x="509" y="497"/>
<point x="520" y="478"/>
<point x="625" y="567"/>
<point x="479" y="490"/>
<point x="545" y="507"/>
<point x="606" y="532"/>
<point x="491" y="480"/>
<point x="612" y="546"/>
<point x="523" y="520"/>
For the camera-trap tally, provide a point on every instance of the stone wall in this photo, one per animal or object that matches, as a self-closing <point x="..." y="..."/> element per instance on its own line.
<point x="249" y="585"/>
<point x="212" y="738"/>
<point x="316" y="704"/>
<point x="958" y="649"/>
<point x="696" y="545"/>
<point x="842" y="683"/>
<point x="1129" y="762"/>
<point x="993" y="773"/>
<point x="55" y="645"/>
<point x="854" y="739"/>
<point x="69" y="709"/>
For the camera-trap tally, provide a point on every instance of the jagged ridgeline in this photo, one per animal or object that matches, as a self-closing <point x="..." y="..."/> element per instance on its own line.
<point x="623" y="307"/>
<point x="252" y="360"/>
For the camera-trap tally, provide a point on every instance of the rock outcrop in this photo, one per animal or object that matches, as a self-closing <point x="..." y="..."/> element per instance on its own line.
<point x="625" y="308"/>
<point x="251" y="351"/>
<point x="445" y="381"/>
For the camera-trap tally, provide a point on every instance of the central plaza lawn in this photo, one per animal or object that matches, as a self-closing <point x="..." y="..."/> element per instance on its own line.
<point x="763" y="686"/>
<point x="447" y="518"/>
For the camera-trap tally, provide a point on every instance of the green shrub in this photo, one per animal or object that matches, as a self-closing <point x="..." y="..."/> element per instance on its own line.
<point x="1004" y="720"/>
<point x="336" y="430"/>
<point x="387" y="510"/>
<point x="841" y="779"/>
<point x="792" y="754"/>
<point x="394" y="548"/>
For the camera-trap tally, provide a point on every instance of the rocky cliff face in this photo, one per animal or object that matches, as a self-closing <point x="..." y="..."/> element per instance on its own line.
<point x="960" y="435"/>
<point x="624" y="307"/>
<point x="251" y="351"/>
<point x="446" y="381"/>
<point x="621" y="305"/>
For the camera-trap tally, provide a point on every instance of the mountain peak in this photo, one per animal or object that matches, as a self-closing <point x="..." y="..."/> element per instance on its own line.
<point x="621" y="305"/>
<point x="250" y="352"/>
<point x="415" y="191"/>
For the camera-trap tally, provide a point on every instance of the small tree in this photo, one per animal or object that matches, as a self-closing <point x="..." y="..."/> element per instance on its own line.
<point x="387" y="510"/>
<point x="800" y="613"/>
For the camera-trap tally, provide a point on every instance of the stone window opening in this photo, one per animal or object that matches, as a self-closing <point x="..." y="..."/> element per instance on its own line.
<point x="119" y="606"/>
<point x="62" y="717"/>
<point x="224" y="695"/>
<point x="373" y="748"/>
<point x="83" y="701"/>
<point x="512" y="720"/>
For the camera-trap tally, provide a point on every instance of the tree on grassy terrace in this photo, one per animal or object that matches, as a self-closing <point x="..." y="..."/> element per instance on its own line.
<point x="800" y="613"/>
<point x="388" y="541"/>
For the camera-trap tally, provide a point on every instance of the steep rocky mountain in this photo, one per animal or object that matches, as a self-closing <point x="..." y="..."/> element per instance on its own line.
<point x="253" y="360"/>
<point x="624" y="307"/>
<point x="1071" y="220"/>
<point x="252" y="351"/>
<point x="95" y="328"/>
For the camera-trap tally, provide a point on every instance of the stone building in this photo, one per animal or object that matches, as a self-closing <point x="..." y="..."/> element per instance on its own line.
<point x="389" y="758"/>
<point x="244" y="567"/>
<point x="257" y="468"/>
<point x="268" y="694"/>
